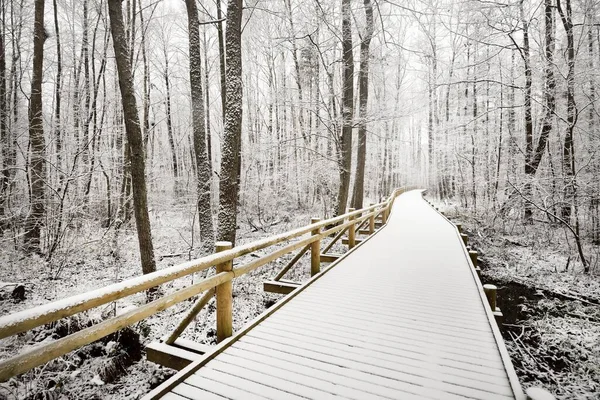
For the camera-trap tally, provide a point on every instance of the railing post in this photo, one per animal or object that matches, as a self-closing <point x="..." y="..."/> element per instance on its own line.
<point x="315" y="250"/>
<point x="465" y="238"/>
<point x="473" y="255"/>
<point x="372" y="221"/>
<point x="351" y="231"/>
<point x="224" y="297"/>
<point x="490" y="293"/>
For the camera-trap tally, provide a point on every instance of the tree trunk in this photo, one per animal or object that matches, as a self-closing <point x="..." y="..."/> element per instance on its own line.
<point x="170" y="135"/>
<point x="568" y="164"/>
<point x="35" y="219"/>
<point x="229" y="176"/>
<point x="202" y="164"/>
<point x="345" y="142"/>
<point x="4" y="137"/>
<point x="363" y="97"/>
<point x="529" y="167"/>
<point x="134" y="137"/>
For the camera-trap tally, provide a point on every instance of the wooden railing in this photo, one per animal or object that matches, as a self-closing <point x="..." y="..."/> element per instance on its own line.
<point x="219" y="283"/>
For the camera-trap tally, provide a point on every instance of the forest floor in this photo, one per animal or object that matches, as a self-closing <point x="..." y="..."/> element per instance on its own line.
<point x="116" y="366"/>
<point x="551" y="308"/>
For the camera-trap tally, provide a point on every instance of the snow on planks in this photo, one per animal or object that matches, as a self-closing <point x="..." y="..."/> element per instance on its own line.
<point x="400" y="317"/>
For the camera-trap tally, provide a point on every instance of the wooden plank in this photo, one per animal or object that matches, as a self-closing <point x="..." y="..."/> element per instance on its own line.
<point x="330" y="372"/>
<point x="370" y="326"/>
<point x="280" y="287"/>
<point x="444" y="357"/>
<point x="194" y="393"/>
<point x="221" y="389"/>
<point x="238" y="378"/>
<point x="454" y="372"/>
<point x="433" y="385"/>
<point x="174" y="396"/>
<point x="192" y="346"/>
<point x="401" y="319"/>
<point x="408" y="351"/>
<point x="169" y="356"/>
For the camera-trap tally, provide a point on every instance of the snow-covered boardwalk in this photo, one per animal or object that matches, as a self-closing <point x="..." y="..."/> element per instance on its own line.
<point x="402" y="316"/>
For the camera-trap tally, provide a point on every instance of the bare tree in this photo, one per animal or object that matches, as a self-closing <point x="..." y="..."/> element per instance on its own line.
<point x="345" y="143"/>
<point x="35" y="219"/>
<point x="363" y="99"/>
<point x="199" y="134"/>
<point x="229" y="176"/>
<point x="134" y="136"/>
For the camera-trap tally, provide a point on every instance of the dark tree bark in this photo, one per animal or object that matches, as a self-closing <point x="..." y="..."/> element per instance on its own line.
<point x="363" y="99"/>
<point x="345" y="142"/>
<point x="230" y="160"/>
<point x="57" y="99"/>
<point x="4" y="138"/>
<point x="35" y="219"/>
<point x="529" y="155"/>
<point x="134" y="137"/>
<point x="174" y="162"/>
<point x="221" y="57"/>
<point x="568" y="163"/>
<point x="202" y="164"/>
<point x="207" y="92"/>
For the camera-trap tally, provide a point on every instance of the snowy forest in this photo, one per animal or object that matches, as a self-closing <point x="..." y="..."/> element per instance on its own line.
<point x="135" y="134"/>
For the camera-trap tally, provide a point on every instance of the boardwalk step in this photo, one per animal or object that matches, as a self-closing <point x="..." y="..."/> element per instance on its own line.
<point x="281" y="286"/>
<point x="364" y="232"/>
<point x="329" y="257"/>
<point x="177" y="355"/>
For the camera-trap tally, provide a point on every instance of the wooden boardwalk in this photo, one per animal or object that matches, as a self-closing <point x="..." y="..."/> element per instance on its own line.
<point x="402" y="316"/>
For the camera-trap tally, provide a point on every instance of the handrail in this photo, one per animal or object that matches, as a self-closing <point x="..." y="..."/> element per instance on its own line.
<point x="28" y="319"/>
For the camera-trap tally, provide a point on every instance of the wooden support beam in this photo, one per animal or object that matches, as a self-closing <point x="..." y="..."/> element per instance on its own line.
<point x="459" y="227"/>
<point x="176" y="355"/>
<point x="196" y="308"/>
<point x="224" y="297"/>
<point x="465" y="238"/>
<point x="347" y="241"/>
<point x="281" y="287"/>
<point x="329" y="257"/>
<point x="334" y="240"/>
<point x="371" y="222"/>
<point x="351" y="231"/>
<point x="293" y="262"/>
<point x="315" y="251"/>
